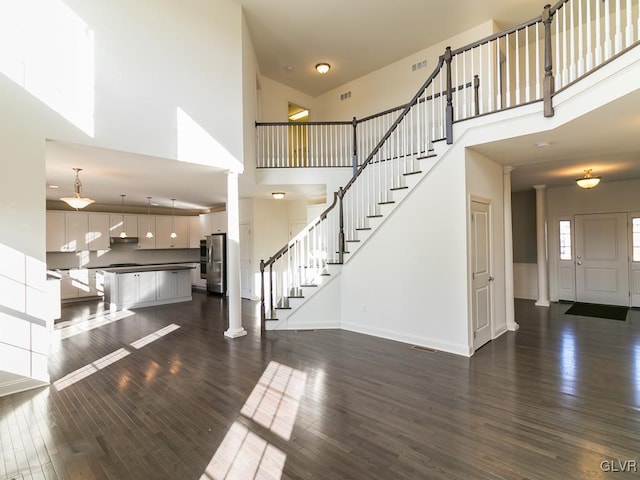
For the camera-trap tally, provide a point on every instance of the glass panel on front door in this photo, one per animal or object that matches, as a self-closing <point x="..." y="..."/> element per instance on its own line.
<point x="635" y="222"/>
<point x="565" y="240"/>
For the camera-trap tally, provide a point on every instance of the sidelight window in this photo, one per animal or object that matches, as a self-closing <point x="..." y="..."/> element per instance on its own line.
<point x="635" y="222"/>
<point x="565" y="239"/>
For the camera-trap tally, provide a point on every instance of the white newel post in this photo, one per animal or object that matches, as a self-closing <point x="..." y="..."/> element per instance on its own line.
<point x="233" y="258"/>
<point x="508" y="251"/>
<point x="541" y="236"/>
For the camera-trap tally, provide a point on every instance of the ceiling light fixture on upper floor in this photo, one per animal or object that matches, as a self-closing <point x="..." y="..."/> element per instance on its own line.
<point x="149" y="232"/>
<point x="278" y="195"/>
<point x="323" y="68"/>
<point x="588" y="181"/>
<point x="77" y="201"/>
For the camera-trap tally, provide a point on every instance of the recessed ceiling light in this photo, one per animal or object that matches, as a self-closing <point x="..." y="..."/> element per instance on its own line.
<point x="53" y="186"/>
<point x="278" y="195"/>
<point x="288" y="68"/>
<point x="542" y="144"/>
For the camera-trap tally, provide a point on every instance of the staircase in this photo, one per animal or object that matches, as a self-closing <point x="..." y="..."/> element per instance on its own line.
<point x="509" y="69"/>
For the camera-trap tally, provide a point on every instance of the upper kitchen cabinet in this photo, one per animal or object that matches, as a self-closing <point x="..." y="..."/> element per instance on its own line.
<point x="56" y="232"/>
<point x="165" y="225"/>
<point x="130" y="225"/>
<point x="76" y="231"/>
<point x="215" y="222"/>
<point x="98" y="235"/>
<point x="194" y="232"/>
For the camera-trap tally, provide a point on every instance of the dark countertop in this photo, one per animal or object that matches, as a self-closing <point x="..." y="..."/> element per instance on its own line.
<point x="149" y="268"/>
<point x="172" y="265"/>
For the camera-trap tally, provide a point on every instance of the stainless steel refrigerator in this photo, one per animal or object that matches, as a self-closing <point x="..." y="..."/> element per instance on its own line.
<point x="216" y="245"/>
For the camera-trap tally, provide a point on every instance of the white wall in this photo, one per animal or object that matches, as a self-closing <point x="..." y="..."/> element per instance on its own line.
<point x="392" y="85"/>
<point x="136" y="70"/>
<point x="276" y="97"/>
<point x="484" y="181"/>
<point x="608" y="197"/>
<point x="407" y="282"/>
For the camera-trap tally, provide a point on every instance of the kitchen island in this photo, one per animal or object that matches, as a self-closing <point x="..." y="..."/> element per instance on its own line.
<point x="146" y="285"/>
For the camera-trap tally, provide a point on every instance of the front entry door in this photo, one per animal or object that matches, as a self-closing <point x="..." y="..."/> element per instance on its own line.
<point x="602" y="262"/>
<point x="481" y="273"/>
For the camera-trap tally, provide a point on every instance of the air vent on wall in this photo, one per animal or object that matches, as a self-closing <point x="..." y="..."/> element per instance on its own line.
<point x="346" y="95"/>
<point x="418" y="66"/>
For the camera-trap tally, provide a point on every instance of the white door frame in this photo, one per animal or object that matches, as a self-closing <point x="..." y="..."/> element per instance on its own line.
<point x="555" y="262"/>
<point x="470" y="255"/>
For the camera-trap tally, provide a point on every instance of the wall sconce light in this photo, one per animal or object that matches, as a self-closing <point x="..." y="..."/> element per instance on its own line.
<point x="588" y="181"/>
<point x="323" y="68"/>
<point x="278" y="195"/>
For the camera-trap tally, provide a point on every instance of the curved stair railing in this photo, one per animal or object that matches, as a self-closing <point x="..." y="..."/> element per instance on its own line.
<point x="506" y="70"/>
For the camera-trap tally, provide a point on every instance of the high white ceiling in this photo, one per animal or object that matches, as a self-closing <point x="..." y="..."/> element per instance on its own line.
<point x="356" y="37"/>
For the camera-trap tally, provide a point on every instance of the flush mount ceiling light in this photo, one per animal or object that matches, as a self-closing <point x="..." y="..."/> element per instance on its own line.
<point x="123" y="234"/>
<point x="77" y="201"/>
<point x="322" y="68"/>
<point x="278" y="195"/>
<point x="588" y="181"/>
<point x="149" y="232"/>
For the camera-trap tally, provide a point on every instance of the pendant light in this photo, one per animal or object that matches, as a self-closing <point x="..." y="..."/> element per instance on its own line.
<point x="588" y="181"/>
<point x="149" y="232"/>
<point x="77" y="201"/>
<point x="173" y="219"/>
<point x="123" y="233"/>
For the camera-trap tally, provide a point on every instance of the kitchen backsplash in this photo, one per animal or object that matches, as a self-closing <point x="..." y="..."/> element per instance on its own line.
<point x="120" y="254"/>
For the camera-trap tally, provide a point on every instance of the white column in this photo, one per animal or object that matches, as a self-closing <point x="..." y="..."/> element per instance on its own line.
<point x="233" y="258"/>
<point x="541" y="236"/>
<point x="510" y="315"/>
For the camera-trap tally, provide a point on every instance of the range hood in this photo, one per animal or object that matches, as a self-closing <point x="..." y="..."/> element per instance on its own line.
<point x="125" y="240"/>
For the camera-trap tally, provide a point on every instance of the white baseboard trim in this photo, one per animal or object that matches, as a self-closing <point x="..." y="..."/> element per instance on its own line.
<point x="20" y="385"/>
<point x="313" y="326"/>
<point x="457" y="349"/>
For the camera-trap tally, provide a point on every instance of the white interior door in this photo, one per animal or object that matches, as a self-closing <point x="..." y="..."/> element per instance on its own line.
<point x="635" y="258"/>
<point x="602" y="259"/>
<point x="246" y="288"/>
<point x="481" y="279"/>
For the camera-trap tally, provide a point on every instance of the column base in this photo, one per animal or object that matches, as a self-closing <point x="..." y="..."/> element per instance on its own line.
<point x="512" y="327"/>
<point x="542" y="303"/>
<point x="235" y="333"/>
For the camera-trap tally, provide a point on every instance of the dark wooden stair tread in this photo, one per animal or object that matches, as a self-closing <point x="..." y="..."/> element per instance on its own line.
<point x="412" y="173"/>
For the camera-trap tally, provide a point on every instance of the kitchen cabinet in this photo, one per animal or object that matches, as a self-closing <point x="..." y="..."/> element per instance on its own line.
<point x="194" y="232"/>
<point x="130" y="225"/>
<point x="136" y="288"/>
<point x="97" y="237"/>
<point x="76" y="231"/>
<point x="215" y="222"/>
<point x="146" y="286"/>
<point x="164" y="228"/>
<point x="173" y="284"/>
<point x="81" y="283"/>
<point x="77" y="225"/>
<point x="56" y="232"/>
<point x="146" y="223"/>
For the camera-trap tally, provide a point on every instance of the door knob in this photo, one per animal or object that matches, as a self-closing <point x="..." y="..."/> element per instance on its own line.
<point x="579" y="262"/>
<point x="491" y="279"/>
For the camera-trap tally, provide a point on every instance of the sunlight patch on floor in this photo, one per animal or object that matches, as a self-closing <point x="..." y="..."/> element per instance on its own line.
<point x="275" y="399"/>
<point x="244" y="455"/>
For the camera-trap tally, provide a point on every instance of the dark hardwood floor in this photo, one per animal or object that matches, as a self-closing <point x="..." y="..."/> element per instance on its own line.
<point x="160" y="393"/>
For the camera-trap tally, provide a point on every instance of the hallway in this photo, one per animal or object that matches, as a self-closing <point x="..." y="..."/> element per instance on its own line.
<point x="160" y="393"/>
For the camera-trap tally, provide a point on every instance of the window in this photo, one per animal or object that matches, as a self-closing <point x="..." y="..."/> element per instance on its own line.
<point x="636" y="238"/>
<point x="565" y="239"/>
